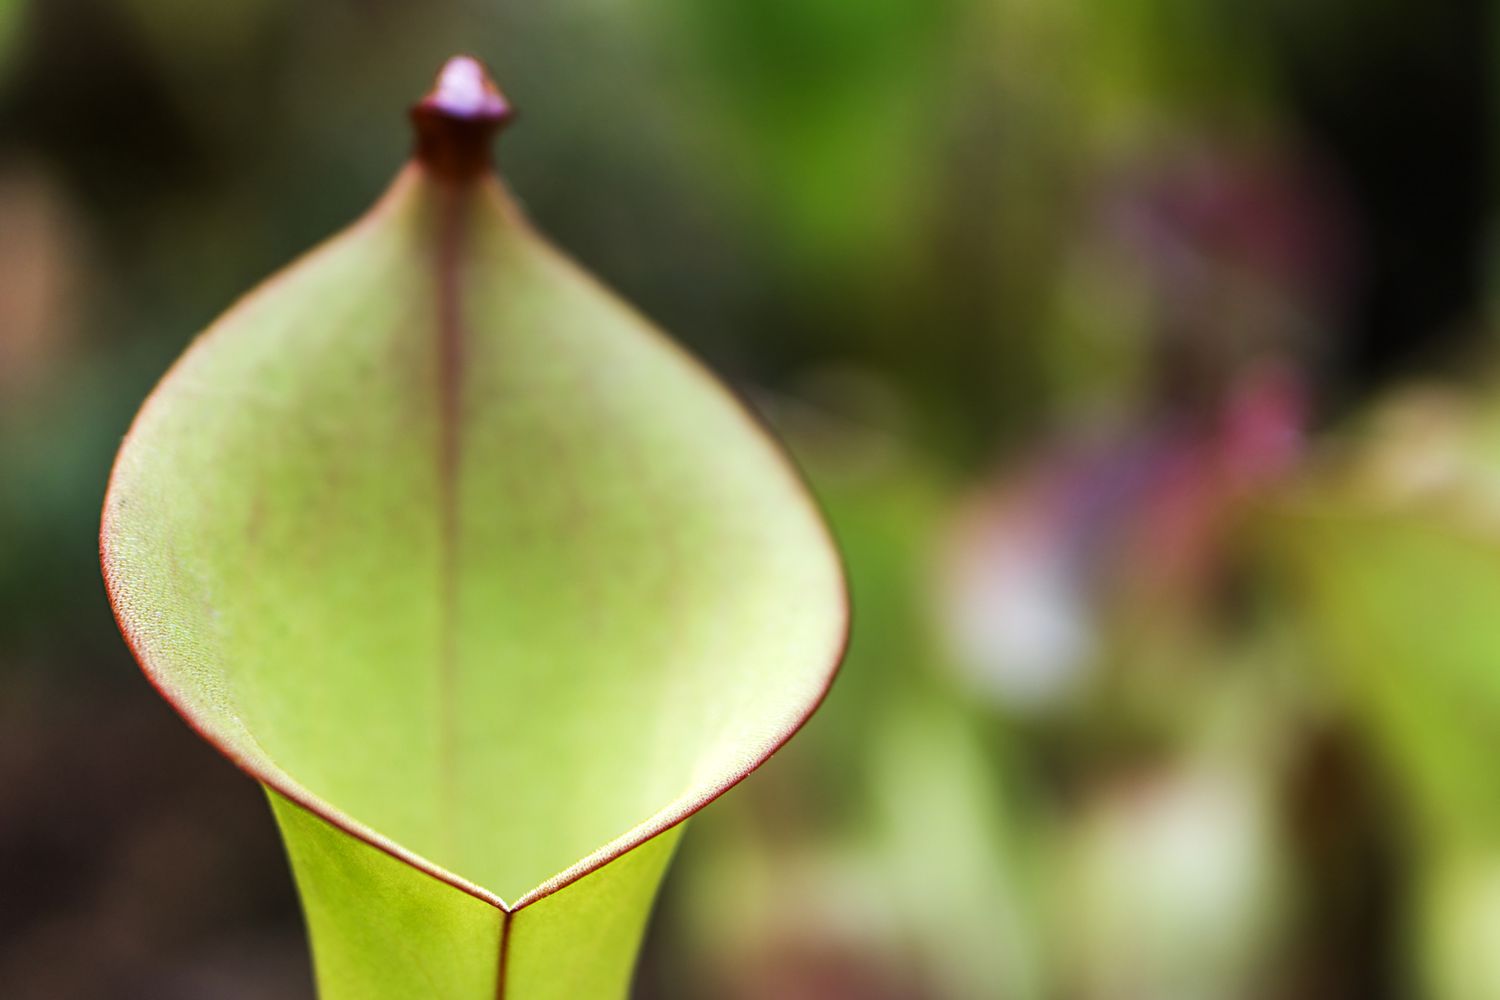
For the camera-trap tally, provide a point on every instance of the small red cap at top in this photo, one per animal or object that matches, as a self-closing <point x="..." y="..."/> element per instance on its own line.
<point x="457" y="119"/>
<point x="464" y="90"/>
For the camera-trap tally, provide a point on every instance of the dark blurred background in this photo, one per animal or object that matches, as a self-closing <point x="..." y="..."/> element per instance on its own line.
<point x="1047" y="297"/>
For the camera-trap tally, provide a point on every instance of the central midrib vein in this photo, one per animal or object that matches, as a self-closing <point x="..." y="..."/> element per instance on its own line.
<point x="451" y="237"/>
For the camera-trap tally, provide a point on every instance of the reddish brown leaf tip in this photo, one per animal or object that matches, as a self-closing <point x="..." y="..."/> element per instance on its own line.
<point x="457" y="119"/>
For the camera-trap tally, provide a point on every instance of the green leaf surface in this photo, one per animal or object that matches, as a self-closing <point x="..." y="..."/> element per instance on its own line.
<point x="487" y="581"/>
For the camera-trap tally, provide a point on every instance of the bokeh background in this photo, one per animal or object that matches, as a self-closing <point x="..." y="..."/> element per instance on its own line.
<point x="1139" y="351"/>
